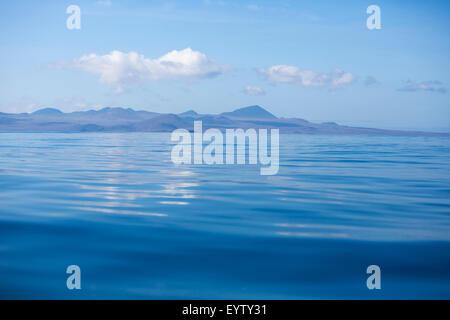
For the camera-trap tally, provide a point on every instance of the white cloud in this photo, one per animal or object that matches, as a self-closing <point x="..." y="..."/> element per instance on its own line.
<point x="254" y="91"/>
<point x="307" y="78"/>
<point x="119" y="68"/>
<point x="431" y="86"/>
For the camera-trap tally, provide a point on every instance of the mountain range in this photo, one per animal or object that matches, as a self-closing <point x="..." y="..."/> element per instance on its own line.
<point x="129" y="120"/>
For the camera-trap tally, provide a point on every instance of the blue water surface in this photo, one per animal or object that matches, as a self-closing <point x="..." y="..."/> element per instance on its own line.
<point x="141" y="227"/>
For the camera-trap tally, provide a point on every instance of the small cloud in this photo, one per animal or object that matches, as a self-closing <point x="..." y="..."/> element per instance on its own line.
<point x="118" y="90"/>
<point x="430" y="86"/>
<point x="104" y="3"/>
<point x="370" y="81"/>
<point x="254" y="91"/>
<point x="307" y="78"/>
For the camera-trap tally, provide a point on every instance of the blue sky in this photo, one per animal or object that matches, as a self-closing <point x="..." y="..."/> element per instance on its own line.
<point x="310" y="59"/>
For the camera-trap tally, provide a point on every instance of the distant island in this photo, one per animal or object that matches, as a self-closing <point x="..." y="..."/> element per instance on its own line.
<point x="129" y="120"/>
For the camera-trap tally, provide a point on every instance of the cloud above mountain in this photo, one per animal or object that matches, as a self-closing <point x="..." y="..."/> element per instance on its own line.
<point x="307" y="78"/>
<point x="254" y="91"/>
<point x="119" y="68"/>
<point x="431" y="86"/>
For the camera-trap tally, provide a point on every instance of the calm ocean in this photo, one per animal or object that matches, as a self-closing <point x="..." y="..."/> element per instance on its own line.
<point x="141" y="227"/>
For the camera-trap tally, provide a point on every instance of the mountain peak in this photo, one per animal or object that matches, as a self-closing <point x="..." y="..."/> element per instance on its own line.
<point x="251" y="112"/>
<point x="189" y="113"/>
<point x="47" y="112"/>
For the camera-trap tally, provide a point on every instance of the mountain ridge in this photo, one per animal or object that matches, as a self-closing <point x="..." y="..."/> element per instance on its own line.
<point x="118" y="119"/>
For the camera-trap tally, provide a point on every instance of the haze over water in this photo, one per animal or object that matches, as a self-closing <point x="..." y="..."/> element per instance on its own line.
<point x="141" y="227"/>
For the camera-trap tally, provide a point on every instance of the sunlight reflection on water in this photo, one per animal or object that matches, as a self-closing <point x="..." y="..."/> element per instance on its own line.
<point x="115" y="202"/>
